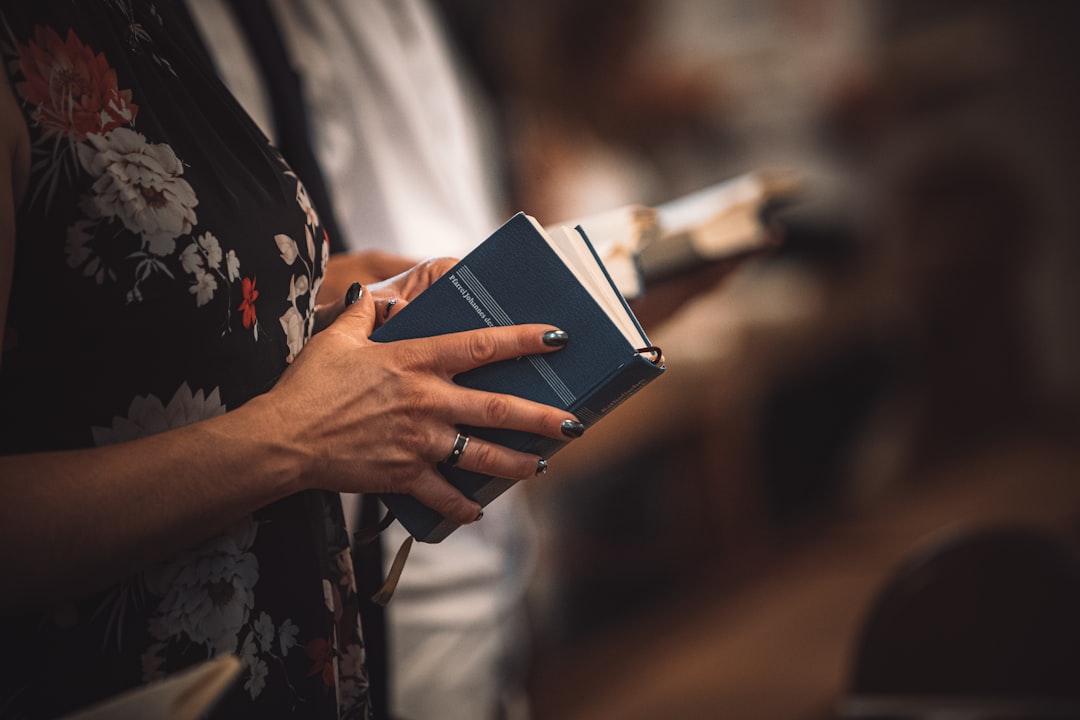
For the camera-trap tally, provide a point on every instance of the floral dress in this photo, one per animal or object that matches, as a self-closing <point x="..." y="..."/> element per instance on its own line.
<point x="167" y="264"/>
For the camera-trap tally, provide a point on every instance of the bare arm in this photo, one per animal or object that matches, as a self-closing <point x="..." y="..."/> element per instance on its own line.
<point x="83" y="518"/>
<point x="349" y="415"/>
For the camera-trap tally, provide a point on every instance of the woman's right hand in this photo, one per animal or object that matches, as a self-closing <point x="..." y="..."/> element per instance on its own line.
<point x="377" y="417"/>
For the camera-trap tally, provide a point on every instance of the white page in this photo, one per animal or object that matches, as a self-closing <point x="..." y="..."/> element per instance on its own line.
<point x="575" y="254"/>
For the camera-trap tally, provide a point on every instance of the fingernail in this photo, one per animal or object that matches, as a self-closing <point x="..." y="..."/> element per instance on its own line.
<point x="353" y="293"/>
<point x="479" y="516"/>
<point x="572" y="428"/>
<point x="556" y="338"/>
<point x="541" y="466"/>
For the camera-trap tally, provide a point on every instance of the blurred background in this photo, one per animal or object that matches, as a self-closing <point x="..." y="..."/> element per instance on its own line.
<point x="857" y="490"/>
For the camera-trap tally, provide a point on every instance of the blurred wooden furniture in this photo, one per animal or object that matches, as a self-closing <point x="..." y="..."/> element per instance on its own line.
<point x="780" y="644"/>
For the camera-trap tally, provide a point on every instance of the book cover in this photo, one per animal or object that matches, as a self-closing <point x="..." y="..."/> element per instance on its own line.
<point x="515" y="277"/>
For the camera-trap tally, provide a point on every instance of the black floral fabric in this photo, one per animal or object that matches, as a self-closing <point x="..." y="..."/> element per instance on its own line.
<point x="167" y="265"/>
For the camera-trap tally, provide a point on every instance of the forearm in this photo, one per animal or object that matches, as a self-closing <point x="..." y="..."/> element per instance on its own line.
<point x="73" y="522"/>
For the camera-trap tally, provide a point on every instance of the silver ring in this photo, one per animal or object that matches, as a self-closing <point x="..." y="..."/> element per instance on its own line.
<point x="460" y="443"/>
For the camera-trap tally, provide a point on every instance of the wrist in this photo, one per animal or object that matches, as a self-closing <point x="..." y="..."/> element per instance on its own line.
<point x="287" y="463"/>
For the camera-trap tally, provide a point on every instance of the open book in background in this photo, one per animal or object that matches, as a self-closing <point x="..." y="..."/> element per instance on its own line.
<point x="525" y="274"/>
<point x="186" y="695"/>
<point x="641" y="244"/>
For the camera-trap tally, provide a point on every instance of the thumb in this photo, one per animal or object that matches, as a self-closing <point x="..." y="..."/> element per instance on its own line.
<point x="359" y="312"/>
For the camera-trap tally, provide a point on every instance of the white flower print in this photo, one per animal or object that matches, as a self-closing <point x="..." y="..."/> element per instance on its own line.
<point x="249" y="651"/>
<point x="207" y="593"/>
<point x="298" y="286"/>
<point x="304" y="201"/>
<point x="212" y="248"/>
<point x="328" y="594"/>
<point x="256" y="667"/>
<point x="257" y="679"/>
<point x="325" y="254"/>
<point x="148" y="416"/>
<point x="191" y="259"/>
<point x="202" y="259"/>
<point x="352" y="694"/>
<point x="352" y="681"/>
<point x="232" y="263"/>
<point x="352" y="660"/>
<point x="292" y="322"/>
<point x="345" y="567"/>
<point x="287" y="636"/>
<point x="139" y="184"/>
<point x="264" y="628"/>
<point x="204" y="287"/>
<point x="287" y="246"/>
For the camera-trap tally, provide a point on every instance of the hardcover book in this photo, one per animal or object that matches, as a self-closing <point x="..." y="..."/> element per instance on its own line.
<point x="525" y="274"/>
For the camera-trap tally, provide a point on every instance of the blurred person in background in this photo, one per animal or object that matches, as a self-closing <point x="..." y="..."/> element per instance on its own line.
<point x="410" y="169"/>
<point x="412" y="165"/>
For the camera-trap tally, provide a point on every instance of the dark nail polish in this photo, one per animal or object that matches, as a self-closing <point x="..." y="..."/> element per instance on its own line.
<point x="541" y="466"/>
<point x="353" y="293"/>
<point x="479" y="516"/>
<point x="556" y="338"/>
<point x="572" y="428"/>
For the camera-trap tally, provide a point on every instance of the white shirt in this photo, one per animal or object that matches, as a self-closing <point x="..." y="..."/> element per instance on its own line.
<point x="398" y="134"/>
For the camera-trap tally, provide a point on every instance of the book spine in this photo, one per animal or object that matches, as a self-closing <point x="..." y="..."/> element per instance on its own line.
<point x="615" y="390"/>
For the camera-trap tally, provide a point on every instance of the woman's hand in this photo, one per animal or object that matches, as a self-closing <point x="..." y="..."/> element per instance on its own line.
<point x="395" y="293"/>
<point x="377" y="417"/>
<point x="390" y="295"/>
<point x="362" y="266"/>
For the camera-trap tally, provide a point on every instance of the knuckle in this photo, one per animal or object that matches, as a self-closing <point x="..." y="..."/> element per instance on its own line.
<point x="417" y="401"/>
<point x="452" y="506"/>
<point x="497" y="410"/>
<point x="483" y="454"/>
<point x="483" y="347"/>
<point x="413" y="355"/>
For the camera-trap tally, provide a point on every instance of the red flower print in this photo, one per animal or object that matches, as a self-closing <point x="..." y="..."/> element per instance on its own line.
<point x="321" y="654"/>
<point x="248" y="304"/>
<point x="75" y="93"/>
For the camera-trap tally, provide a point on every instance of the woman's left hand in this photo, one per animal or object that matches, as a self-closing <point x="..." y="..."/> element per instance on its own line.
<point x="395" y="293"/>
<point x="392" y="294"/>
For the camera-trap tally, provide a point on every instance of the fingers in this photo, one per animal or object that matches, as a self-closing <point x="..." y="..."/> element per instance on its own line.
<point x="455" y="353"/>
<point x="386" y="308"/>
<point x="358" y="314"/>
<point x="432" y="489"/>
<point x="488" y="458"/>
<point x="495" y="410"/>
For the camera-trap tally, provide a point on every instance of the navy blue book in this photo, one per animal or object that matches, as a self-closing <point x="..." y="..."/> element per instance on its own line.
<point x="526" y="274"/>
